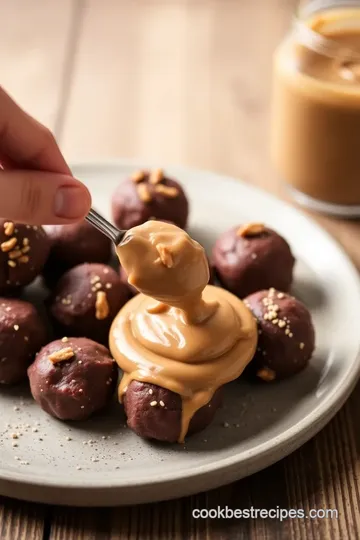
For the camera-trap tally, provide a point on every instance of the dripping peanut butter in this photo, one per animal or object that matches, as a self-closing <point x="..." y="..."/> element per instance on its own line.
<point x="179" y="333"/>
<point x="316" y="107"/>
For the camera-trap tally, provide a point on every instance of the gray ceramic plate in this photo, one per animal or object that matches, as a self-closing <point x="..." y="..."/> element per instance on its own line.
<point x="100" y="462"/>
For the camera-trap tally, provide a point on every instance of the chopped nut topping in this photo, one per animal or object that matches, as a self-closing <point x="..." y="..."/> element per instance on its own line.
<point x="144" y="193"/>
<point x="94" y="279"/>
<point x="281" y="295"/>
<point x="165" y="255"/>
<point x="101" y="305"/>
<point x="302" y="345"/>
<point x="156" y="176"/>
<point x="138" y="176"/>
<point x="15" y="254"/>
<point x="12" y="264"/>
<point x="25" y="241"/>
<point x="26" y="249"/>
<point x="250" y="229"/>
<point x="168" y="191"/>
<point x="266" y="374"/>
<point x="16" y="327"/>
<point x="8" y="245"/>
<point x="61" y="355"/>
<point x="9" y="228"/>
<point x="65" y="339"/>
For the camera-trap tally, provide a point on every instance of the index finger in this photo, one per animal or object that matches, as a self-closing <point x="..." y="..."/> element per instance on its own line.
<point x="26" y="142"/>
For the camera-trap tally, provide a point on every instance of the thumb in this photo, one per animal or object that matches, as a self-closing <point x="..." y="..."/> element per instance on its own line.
<point x="40" y="198"/>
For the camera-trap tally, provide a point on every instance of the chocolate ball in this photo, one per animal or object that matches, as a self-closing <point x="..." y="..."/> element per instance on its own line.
<point x="286" y="335"/>
<point x="72" y="378"/>
<point x="23" y="253"/>
<point x="149" y="195"/>
<point x="149" y="419"/>
<point x="85" y="301"/>
<point x="252" y="257"/>
<point x="72" y="245"/>
<point x="22" y="334"/>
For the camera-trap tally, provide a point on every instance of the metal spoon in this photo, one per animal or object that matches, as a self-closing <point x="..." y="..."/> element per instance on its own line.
<point x="104" y="226"/>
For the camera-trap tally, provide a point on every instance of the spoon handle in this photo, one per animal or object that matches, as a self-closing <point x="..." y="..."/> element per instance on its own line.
<point x="104" y="226"/>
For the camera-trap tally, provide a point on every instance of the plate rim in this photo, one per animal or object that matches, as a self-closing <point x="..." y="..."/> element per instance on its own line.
<point x="255" y="459"/>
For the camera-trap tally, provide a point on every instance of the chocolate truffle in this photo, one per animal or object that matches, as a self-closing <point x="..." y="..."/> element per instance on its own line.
<point x="252" y="257"/>
<point x="72" y="378"/>
<point x="155" y="413"/>
<point x="72" y="245"/>
<point x="22" y="334"/>
<point x="149" y="195"/>
<point x="23" y="252"/>
<point x="85" y="301"/>
<point x="286" y="335"/>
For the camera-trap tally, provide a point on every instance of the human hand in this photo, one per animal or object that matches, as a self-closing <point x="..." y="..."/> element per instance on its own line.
<point x="36" y="185"/>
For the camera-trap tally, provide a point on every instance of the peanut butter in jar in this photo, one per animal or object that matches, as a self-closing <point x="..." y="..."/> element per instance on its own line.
<point x="316" y="108"/>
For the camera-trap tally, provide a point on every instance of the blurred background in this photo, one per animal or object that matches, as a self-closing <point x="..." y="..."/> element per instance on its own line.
<point x="177" y="81"/>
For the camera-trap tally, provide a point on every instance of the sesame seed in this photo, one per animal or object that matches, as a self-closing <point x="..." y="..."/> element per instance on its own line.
<point x="65" y="339"/>
<point x="153" y="403"/>
<point x="12" y="264"/>
<point x="162" y="404"/>
<point x="281" y="324"/>
<point x="287" y="331"/>
<point x="106" y="271"/>
<point x="82" y="407"/>
<point x="16" y="327"/>
<point x="108" y="285"/>
<point x="302" y="345"/>
<point x="226" y="424"/>
<point x="275" y="321"/>
<point x="253" y="256"/>
<point x="290" y="335"/>
<point x="151" y="391"/>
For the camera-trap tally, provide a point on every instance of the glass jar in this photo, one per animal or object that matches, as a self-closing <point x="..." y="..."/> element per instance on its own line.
<point x="315" y="132"/>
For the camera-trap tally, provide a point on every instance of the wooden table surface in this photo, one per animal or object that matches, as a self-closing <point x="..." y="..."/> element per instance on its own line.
<point x="179" y="81"/>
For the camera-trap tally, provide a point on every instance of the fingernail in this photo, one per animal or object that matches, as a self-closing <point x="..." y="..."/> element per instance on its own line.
<point x="71" y="202"/>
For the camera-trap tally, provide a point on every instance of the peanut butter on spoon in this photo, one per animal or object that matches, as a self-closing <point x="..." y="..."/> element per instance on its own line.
<point x="179" y="333"/>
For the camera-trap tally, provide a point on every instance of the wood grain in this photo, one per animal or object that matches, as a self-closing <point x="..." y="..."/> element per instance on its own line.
<point x="21" y="521"/>
<point x="185" y="81"/>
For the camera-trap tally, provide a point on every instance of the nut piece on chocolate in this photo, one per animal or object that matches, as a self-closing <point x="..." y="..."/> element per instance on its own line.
<point x="155" y="413"/>
<point x="72" y="378"/>
<point x="22" y="334"/>
<point x="252" y="257"/>
<point x="72" y="245"/>
<point x="149" y="195"/>
<point x="85" y="301"/>
<point x="23" y="252"/>
<point x="286" y="335"/>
